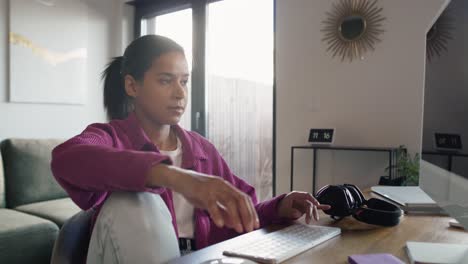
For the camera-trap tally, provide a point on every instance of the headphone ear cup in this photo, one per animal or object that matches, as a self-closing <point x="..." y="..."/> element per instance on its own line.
<point x="321" y="190"/>
<point x="350" y="201"/>
<point x="336" y="196"/>
<point x="357" y="195"/>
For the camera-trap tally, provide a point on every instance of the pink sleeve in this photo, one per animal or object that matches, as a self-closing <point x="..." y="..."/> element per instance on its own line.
<point x="91" y="164"/>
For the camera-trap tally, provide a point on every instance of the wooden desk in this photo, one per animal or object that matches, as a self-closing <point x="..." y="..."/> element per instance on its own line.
<point x="356" y="238"/>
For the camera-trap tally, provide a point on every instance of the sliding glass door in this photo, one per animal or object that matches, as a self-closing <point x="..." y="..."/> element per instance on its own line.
<point x="239" y="87"/>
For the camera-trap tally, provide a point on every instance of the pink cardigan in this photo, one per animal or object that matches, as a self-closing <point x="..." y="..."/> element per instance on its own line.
<point x="117" y="155"/>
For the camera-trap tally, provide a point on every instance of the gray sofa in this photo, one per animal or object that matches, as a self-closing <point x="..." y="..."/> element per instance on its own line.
<point x="33" y="206"/>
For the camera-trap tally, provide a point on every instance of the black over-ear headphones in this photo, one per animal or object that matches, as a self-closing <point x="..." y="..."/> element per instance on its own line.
<point x="348" y="200"/>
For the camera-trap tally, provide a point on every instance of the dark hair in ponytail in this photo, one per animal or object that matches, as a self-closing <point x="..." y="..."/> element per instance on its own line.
<point x="137" y="59"/>
<point x="116" y="100"/>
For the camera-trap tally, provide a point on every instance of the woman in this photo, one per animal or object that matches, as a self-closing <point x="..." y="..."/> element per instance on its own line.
<point x="152" y="182"/>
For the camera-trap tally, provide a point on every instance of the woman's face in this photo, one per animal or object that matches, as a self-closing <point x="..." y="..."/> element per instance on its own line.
<point x="162" y="96"/>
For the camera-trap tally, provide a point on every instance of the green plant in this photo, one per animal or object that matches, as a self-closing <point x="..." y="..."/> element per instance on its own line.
<point x="407" y="166"/>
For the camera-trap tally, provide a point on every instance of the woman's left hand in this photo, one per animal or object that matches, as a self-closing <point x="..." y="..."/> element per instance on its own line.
<point x="295" y="204"/>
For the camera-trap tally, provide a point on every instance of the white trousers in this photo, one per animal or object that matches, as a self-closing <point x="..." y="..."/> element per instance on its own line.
<point x="133" y="228"/>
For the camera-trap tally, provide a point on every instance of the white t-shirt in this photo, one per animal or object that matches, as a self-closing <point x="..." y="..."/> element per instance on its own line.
<point x="183" y="209"/>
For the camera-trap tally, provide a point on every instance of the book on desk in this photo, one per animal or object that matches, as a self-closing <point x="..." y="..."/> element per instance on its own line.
<point x="436" y="253"/>
<point x="383" y="258"/>
<point x="411" y="199"/>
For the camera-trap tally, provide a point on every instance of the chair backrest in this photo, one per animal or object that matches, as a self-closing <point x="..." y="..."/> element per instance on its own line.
<point x="28" y="177"/>
<point x="2" y="184"/>
<point x="72" y="243"/>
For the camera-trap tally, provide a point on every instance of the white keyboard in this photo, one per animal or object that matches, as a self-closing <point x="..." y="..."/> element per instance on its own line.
<point x="283" y="244"/>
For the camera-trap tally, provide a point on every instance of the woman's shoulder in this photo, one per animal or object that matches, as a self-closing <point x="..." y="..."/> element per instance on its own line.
<point x="107" y="128"/>
<point x="109" y="132"/>
<point x="112" y="126"/>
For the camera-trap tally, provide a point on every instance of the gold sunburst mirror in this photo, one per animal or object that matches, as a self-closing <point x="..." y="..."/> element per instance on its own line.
<point x="439" y="35"/>
<point x="352" y="28"/>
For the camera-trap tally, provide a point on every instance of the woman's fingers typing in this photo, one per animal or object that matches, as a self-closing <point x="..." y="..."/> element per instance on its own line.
<point x="226" y="205"/>
<point x="317" y="203"/>
<point x="233" y="214"/>
<point x="253" y="212"/>
<point x="295" y="204"/>
<point x="248" y="218"/>
<point x="240" y="210"/>
<point x="309" y="212"/>
<point x="216" y="215"/>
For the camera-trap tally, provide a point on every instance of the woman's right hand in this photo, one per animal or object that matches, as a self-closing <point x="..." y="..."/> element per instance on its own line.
<point x="226" y="205"/>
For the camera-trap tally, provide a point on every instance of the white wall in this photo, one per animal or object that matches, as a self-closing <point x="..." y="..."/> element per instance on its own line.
<point x="375" y="102"/>
<point x="446" y="93"/>
<point x="110" y="28"/>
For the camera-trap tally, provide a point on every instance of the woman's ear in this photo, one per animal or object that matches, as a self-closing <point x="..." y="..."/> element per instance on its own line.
<point x="131" y="86"/>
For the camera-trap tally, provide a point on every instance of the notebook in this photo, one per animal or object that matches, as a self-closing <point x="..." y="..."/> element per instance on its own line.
<point x="373" y="259"/>
<point x="411" y="199"/>
<point x="440" y="253"/>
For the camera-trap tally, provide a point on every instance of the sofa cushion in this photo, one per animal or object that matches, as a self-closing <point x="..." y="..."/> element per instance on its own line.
<point x="2" y="184"/>
<point x="28" y="177"/>
<point x="25" y="238"/>
<point x="57" y="211"/>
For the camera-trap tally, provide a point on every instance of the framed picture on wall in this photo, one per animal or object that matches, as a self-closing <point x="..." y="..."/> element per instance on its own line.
<point x="48" y="51"/>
